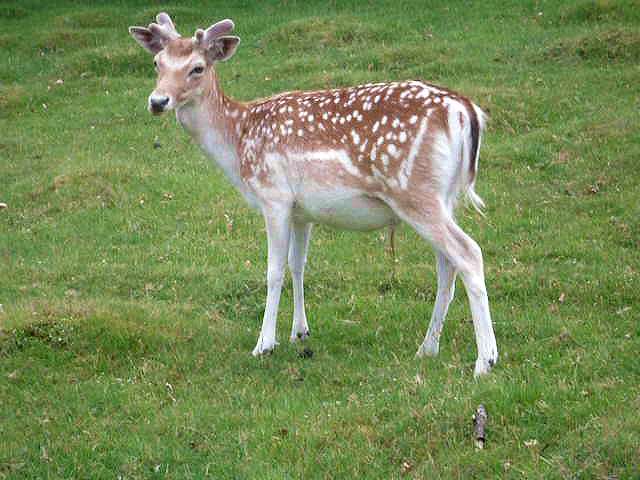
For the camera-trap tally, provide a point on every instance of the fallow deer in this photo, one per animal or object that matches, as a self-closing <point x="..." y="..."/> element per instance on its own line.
<point x="358" y="158"/>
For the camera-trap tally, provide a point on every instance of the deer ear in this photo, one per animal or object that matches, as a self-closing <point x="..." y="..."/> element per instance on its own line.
<point x="216" y="42"/>
<point x="154" y="38"/>
<point x="223" y="48"/>
<point x="152" y="42"/>
<point x="223" y="27"/>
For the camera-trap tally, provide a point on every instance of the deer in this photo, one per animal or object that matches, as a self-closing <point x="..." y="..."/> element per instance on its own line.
<point x="359" y="158"/>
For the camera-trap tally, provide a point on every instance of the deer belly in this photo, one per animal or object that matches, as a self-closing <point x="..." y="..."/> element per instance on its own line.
<point x="355" y="212"/>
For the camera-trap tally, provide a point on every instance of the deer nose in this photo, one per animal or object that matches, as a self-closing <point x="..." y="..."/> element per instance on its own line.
<point x="157" y="104"/>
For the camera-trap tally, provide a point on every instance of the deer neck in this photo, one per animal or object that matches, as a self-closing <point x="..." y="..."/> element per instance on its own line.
<point x="214" y="121"/>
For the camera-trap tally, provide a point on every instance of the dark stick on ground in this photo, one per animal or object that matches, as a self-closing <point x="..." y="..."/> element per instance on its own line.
<point x="479" y="422"/>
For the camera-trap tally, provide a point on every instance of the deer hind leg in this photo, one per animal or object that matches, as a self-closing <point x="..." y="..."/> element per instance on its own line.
<point x="446" y="288"/>
<point x="300" y="234"/>
<point x="438" y="227"/>
<point x="278" y="222"/>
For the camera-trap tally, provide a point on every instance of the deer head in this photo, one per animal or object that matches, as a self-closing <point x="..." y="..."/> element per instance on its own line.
<point x="182" y="63"/>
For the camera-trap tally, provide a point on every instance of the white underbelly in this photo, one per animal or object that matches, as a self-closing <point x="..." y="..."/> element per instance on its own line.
<point x="347" y="212"/>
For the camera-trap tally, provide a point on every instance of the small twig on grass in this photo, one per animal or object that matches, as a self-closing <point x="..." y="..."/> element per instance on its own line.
<point x="479" y="422"/>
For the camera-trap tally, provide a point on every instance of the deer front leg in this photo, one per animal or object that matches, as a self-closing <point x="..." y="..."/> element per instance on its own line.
<point x="300" y="234"/>
<point x="278" y="222"/>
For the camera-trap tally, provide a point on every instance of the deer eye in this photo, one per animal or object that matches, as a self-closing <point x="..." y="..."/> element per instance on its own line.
<point x="155" y="64"/>
<point x="197" y="70"/>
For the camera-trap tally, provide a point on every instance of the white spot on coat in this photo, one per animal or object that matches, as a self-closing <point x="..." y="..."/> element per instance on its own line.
<point x="407" y="166"/>
<point x="393" y="150"/>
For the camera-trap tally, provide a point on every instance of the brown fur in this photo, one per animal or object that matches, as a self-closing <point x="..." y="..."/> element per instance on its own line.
<point x="180" y="47"/>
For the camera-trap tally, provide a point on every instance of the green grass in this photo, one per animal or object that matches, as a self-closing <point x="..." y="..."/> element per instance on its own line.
<point x="133" y="278"/>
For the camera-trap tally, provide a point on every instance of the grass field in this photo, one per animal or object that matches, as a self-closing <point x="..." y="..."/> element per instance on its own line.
<point x="132" y="277"/>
